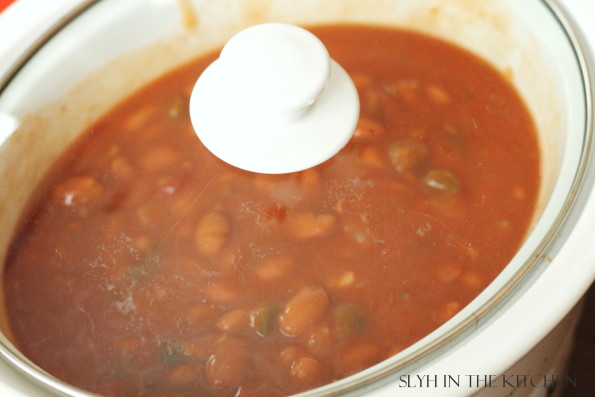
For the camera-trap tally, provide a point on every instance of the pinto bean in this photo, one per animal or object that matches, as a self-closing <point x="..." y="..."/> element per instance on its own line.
<point x="228" y="365"/>
<point x="408" y="90"/>
<point x="449" y="271"/>
<point x="343" y="280"/>
<point x="519" y="193"/>
<point x="212" y="233"/>
<point x="370" y="157"/>
<point x="308" y="225"/>
<point x="303" y="367"/>
<point x="185" y="374"/>
<point x="274" y="268"/>
<point x="408" y="155"/>
<point x="307" y="369"/>
<point x="138" y="119"/>
<point x="321" y="340"/>
<point x="147" y="213"/>
<point x="362" y="81"/>
<point x="303" y="310"/>
<point x="77" y="191"/>
<point x="448" y="310"/>
<point x="182" y="203"/>
<point x="160" y="158"/>
<point x="141" y="243"/>
<point x="443" y="180"/>
<point x="267" y="182"/>
<point x="473" y="279"/>
<point x="221" y="292"/>
<point x="290" y="354"/>
<point x="198" y="313"/>
<point x="309" y="178"/>
<point x="438" y="95"/>
<point x="121" y="168"/>
<point x="178" y="107"/>
<point x="201" y="349"/>
<point x="358" y="230"/>
<point x="373" y="102"/>
<point x="233" y="320"/>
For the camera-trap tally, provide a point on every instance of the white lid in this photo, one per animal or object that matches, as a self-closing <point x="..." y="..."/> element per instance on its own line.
<point x="274" y="102"/>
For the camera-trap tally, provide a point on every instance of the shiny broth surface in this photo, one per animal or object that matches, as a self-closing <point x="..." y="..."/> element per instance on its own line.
<point x="147" y="267"/>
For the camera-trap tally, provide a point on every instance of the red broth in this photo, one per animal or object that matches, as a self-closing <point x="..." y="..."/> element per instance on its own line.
<point x="145" y="266"/>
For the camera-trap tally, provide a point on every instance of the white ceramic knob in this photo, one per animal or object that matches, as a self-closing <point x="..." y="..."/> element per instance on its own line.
<point x="274" y="102"/>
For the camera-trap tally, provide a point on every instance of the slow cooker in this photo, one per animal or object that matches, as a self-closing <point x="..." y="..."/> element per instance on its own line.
<point x="515" y="337"/>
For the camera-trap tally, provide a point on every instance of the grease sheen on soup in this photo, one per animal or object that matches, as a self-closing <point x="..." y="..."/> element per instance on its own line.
<point x="147" y="267"/>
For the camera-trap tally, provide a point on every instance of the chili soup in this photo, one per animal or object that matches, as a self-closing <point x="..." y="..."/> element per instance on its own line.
<point x="146" y="266"/>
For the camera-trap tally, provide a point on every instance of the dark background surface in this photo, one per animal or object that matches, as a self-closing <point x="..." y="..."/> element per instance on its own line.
<point x="582" y="362"/>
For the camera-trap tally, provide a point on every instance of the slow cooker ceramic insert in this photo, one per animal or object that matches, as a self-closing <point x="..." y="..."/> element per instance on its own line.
<point x="64" y="63"/>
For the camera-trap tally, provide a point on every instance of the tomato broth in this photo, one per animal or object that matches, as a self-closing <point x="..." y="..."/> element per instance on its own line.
<point x="146" y="266"/>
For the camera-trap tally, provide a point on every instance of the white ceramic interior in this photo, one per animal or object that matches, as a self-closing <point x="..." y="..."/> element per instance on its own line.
<point x="113" y="47"/>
